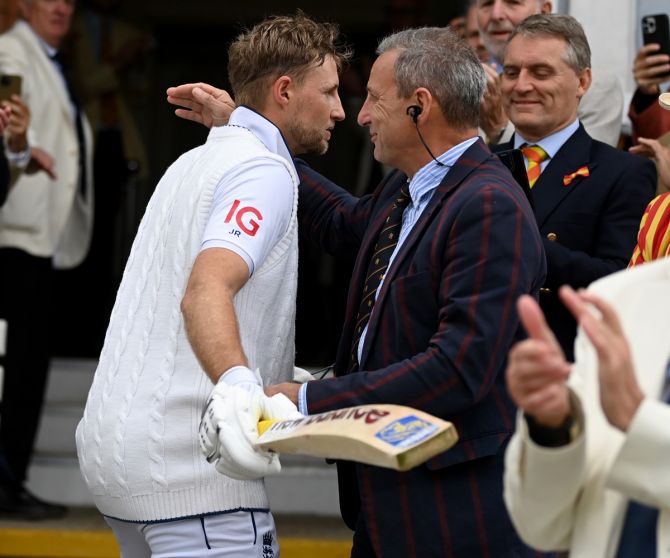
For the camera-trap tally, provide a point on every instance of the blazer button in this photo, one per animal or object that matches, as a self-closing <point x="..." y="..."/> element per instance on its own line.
<point x="552" y="237"/>
<point x="545" y="291"/>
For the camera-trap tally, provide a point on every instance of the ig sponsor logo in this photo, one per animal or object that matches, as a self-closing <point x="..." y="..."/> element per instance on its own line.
<point x="246" y="218"/>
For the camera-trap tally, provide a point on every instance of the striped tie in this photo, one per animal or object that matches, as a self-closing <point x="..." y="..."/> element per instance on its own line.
<point x="386" y="243"/>
<point x="535" y="155"/>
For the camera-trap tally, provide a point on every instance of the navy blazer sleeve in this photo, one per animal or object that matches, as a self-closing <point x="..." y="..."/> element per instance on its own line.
<point x="449" y="317"/>
<point x="336" y="220"/>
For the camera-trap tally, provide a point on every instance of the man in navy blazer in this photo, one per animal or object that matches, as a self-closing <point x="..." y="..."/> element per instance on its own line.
<point x="589" y="197"/>
<point x="444" y="316"/>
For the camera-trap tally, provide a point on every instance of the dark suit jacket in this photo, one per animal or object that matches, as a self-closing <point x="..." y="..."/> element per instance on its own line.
<point x="437" y="340"/>
<point x="589" y="227"/>
<point x="4" y="177"/>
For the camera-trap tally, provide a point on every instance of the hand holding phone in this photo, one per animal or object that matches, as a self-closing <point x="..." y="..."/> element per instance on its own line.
<point x="656" y="30"/>
<point x="9" y="85"/>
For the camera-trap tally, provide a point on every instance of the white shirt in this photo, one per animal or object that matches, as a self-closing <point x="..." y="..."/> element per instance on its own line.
<point x="252" y="204"/>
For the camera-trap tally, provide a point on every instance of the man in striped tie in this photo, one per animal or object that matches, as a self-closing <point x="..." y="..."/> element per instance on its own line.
<point x="586" y="471"/>
<point x="588" y="197"/>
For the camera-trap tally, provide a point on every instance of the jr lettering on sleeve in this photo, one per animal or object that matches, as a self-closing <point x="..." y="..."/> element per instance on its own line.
<point x="247" y="219"/>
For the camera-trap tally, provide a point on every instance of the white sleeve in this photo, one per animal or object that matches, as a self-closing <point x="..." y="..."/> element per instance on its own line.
<point x="541" y="488"/>
<point x="251" y="211"/>
<point x="639" y="470"/>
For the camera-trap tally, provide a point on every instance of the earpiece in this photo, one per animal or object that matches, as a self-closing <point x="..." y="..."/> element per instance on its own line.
<point x="414" y="111"/>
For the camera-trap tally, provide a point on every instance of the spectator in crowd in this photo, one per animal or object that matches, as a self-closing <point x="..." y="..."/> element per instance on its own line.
<point x="472" y="34"/>
<point x="650" y="70"/>
<point x="45" y="222"/>
<point x="650" y="121"/>
<point x="588" y="197"/>
<point x="586" y="471"/>
<point x="653" y="238"/>
<point x="600" y="109"/>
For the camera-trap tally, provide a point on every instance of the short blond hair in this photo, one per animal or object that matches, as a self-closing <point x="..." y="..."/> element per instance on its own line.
<point x="281" y="45"/>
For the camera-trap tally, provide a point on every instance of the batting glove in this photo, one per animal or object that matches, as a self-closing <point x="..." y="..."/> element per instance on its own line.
<point x="229" y="429"/>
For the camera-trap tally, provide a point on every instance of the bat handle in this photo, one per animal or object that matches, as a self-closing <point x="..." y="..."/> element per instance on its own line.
<point x="263" y="425"/>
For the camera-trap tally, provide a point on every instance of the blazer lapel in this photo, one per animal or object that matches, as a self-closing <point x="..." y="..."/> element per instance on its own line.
<point x="469" y="161"/>
<point x="549" y="190"/>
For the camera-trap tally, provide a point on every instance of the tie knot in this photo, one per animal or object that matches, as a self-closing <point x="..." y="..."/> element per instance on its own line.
<point x="534" y="153"/>
<point x="403" y="198"/>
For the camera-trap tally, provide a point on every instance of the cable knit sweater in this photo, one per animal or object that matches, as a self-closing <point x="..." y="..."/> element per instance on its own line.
<point x="138" y="440"/>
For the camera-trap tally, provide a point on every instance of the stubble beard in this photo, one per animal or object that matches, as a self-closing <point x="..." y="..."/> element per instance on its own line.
<point x="309" y="140"/>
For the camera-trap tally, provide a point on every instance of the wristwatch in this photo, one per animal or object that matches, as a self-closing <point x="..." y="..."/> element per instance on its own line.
<point x="558" y="436"/>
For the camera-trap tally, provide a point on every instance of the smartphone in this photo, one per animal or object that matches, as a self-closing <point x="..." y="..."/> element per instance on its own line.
<point x="9" y="85"/>
<point x="513" y="160"/>
<point x="656" y="29"/>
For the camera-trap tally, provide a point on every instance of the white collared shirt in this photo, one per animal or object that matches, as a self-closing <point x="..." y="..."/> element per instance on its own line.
<point x="252" y="205"/>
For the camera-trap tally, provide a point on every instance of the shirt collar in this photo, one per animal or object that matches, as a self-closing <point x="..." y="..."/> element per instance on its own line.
<point x="552" y="143"/>
<point x="266" y="131"/>
<point x="428" y="177"/>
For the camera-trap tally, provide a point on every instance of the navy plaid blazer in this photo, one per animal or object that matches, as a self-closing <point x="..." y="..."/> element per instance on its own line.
<point x="437" y="340"/>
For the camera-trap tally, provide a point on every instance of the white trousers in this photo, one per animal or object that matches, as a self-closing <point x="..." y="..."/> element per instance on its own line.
<point x="240" y="534"/>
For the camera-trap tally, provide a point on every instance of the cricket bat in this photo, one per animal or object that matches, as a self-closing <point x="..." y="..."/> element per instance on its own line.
<point x="389" y="436"/>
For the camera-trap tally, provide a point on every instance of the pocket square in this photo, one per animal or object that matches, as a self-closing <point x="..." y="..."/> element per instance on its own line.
<point x="568" y="178"/>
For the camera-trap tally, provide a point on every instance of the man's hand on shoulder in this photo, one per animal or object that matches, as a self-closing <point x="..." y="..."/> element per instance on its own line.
<point x="202" y="103"/>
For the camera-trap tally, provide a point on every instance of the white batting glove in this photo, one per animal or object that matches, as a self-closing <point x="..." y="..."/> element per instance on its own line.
<point x="229" y="429"/>
<point x="300" y="375"/>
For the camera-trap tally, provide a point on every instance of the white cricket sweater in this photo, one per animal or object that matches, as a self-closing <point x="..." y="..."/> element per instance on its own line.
<point x="138" y="440"/>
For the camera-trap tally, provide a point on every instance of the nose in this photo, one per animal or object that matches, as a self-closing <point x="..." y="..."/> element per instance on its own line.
<point x="523" y="82"/>
<point x="63" y="6"/>
<point x="364" y="114"/>
<point x="498" y="10"/>
<point x="337" y="113"/>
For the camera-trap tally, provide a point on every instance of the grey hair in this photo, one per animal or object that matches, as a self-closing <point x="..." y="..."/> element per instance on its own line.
<point x="577" y="51"/>
<point x="437" y="59"/>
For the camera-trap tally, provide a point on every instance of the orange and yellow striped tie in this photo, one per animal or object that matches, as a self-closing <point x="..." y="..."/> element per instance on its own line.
<point x="535" y="155"/>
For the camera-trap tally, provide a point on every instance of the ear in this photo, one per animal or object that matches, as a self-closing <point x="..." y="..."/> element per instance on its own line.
<point x="282" y="90"/>
<point x="426" y="101"/>
<point x="584" y="82"/>
<point x="546" y="7"/>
